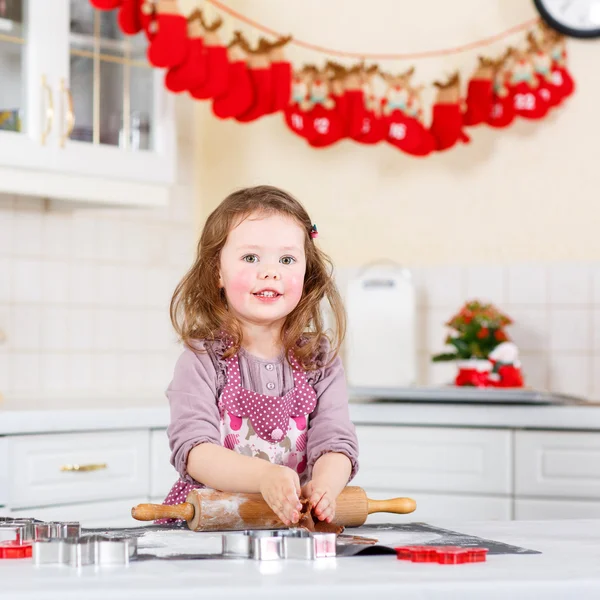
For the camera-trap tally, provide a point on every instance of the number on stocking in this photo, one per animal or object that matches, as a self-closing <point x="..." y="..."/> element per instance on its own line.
<point x="398" y="131"/>
<point x="525" y="101"/>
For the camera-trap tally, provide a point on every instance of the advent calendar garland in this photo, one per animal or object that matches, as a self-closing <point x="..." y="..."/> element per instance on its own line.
<point x="326" y="104"/>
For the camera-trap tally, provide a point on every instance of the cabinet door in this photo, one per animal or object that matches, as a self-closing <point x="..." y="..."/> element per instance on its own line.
<point x="557" y="463"/>
<point x="536" y="510"/>
<point x="61" y="468"/>
<point x="116" y="119"/>
<point x="435" y="459"/>
<point x="440" y="507"/>
<point x="27" y="106"/>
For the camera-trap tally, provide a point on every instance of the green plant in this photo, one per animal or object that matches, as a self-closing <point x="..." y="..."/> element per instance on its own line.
<point x="478" y="329"/>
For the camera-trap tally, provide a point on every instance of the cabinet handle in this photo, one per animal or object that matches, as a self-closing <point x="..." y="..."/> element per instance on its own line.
<point x="69" y="113"/>
<point x="49" y="110"/>
<point x="82" y="468"/>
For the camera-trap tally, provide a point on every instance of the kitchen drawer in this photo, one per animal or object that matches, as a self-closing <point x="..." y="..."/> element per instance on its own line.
<point x="557" y="464"/>
<point x="435" y="459"/>
<point x="37" y="467"/>
<point x="162" y="473"/>
<point x="439" y="507"/>
<point x="111" y="513"/>
<point x="540" y="510"/>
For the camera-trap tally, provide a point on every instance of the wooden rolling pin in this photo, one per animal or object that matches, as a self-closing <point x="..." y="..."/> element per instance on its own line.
<point x="209" y="510"/>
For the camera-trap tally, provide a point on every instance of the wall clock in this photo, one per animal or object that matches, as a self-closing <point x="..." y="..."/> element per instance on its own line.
<point x="575" y="18"/>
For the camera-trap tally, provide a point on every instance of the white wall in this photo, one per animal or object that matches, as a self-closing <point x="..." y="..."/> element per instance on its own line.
<point x="526" y="193"/>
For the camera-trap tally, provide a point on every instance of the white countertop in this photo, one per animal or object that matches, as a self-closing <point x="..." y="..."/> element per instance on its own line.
<point x="53" y="414"/>
<point x="567" y="568"/>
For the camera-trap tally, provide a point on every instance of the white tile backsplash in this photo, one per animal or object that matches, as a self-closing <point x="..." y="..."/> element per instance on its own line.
<point x="595" y="392"/>
<point x="596" y="285"/>
<point x="5" y="280"/>
<point x="55" y="282"/>
<point x="570" y="284"/>
<point x="571" y="374"/>
<point x="596" y="330"/>
<point x="25" y="332"/>
<point x="527" y="284"/>
<point x="55" y="328"/>
<point x="80" y="371"/>
<point x="6" y="231"/>
<point x="4" y="370"/>
<point x="27" y="233"/>
<point x="81" y="328"/>
<point x="535" y="370"/>
<point x="55" y="371"/>
<point x="57" y="237"/>
<point x="487" y="284"/>
<point x="27" y="280"/>
<point x="443" y="286"/>
<point x="556" y="324"/>
<point x="82" y="283"/>
<point x="531" y="327"/>
<point x="24" y="372"/>
<point x="570" y="329"/>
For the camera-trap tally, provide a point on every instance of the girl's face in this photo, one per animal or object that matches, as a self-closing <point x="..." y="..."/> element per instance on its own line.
<point x="262" y="268"/>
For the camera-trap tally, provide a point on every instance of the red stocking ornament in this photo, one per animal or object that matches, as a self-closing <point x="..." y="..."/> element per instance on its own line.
<point x="560" y="74"/>
<point x="106" y="4"/>
<point x="528" y="98"/>
<point x="262" y="84"/>
<point x="216" y="80"/>
<point x="297" y="110"/>
<point x="480" y="93"/>
<point x="239" y="96"/>
<point x="502" y="111"/>
<point x="447" y="124"/>
<point x="324" y="123"/>
<point x="372" y="126"/>
<point x="130" y="17"/>
<point x="401" y="112"/>
<point x="191" y="73"/>
<point x="281" y="76"/>
<point x="169" y="46"/>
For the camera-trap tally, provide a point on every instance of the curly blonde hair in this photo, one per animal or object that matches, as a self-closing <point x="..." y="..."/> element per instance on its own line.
<point x="199" y="308"/>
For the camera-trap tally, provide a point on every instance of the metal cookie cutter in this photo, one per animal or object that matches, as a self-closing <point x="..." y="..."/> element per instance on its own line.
<point x="29" y="530"/>
<point x="86" y="550"/>
<point x="279" y="544"/>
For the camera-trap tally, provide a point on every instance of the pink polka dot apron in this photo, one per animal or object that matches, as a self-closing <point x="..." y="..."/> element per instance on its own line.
<point x="273" y="428"/>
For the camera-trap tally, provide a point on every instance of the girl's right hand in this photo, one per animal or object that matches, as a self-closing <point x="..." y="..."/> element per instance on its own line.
<point x="280" y="487"/>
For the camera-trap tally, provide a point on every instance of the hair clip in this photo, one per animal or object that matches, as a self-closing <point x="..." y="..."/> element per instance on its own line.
<point x="313" y="232"/>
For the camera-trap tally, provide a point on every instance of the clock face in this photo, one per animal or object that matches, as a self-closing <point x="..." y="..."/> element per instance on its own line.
<point x="577" y="18"/>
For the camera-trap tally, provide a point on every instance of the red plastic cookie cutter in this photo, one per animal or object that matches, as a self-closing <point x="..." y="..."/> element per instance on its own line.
<point x="444" y="555"/>
<point x="15" y="550"/>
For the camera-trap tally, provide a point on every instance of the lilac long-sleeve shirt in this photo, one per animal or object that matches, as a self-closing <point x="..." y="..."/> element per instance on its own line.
<point x="199" y="378"/>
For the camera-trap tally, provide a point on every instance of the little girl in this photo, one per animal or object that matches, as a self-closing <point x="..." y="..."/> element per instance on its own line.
<point x="258" y="398"/>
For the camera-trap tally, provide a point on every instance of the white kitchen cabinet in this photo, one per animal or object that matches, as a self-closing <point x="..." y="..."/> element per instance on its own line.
<point x="110" y="513"/>
<point x="162" y="475"/>
<point x="438" y="507"/>
<point x="54" y="469"/>
<point x="435" y="459"/>
<point x="83" y="117"/>
<point x="557" y="464"/>
<point x="548" y="509"/>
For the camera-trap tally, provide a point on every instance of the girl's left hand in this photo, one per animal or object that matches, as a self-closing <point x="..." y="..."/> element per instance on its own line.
<point x="322" y="499"/>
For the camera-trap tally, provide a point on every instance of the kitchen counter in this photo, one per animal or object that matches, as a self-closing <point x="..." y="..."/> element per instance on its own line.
<point x="567" y="568"/>
<point x="43" y="415"/>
